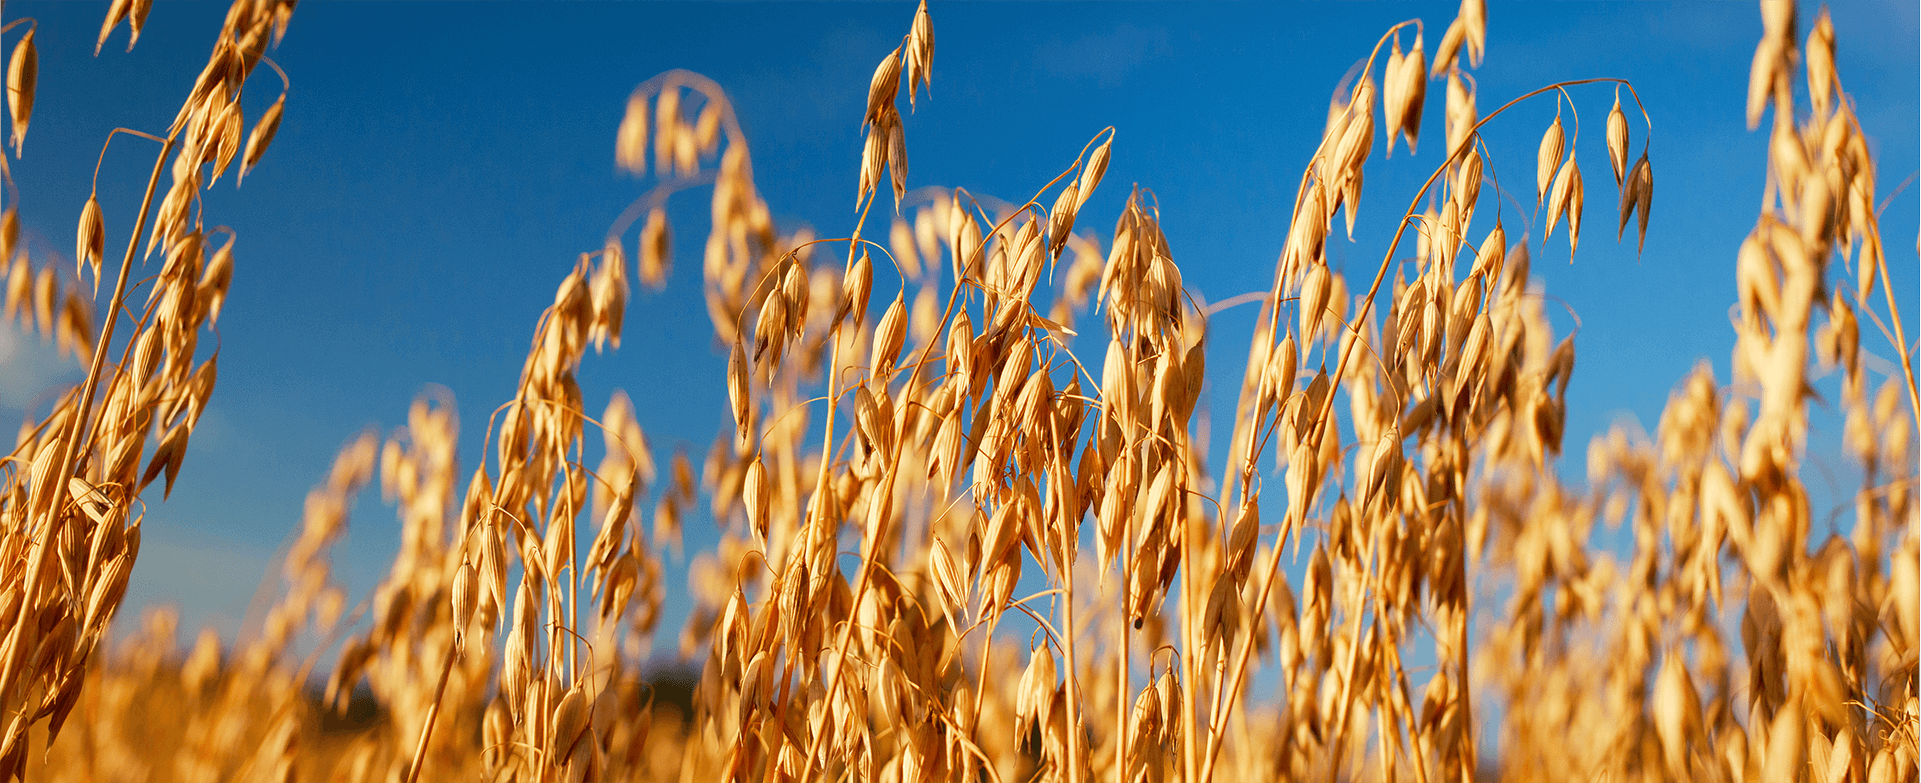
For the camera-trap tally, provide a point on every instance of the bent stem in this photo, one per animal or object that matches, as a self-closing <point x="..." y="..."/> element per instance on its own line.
<point x="433" y="716"/>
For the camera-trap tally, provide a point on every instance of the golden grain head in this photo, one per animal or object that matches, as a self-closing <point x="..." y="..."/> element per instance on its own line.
<point x="1449" y="51"/>
<point x="920" y="53"/>
<point x="630" y="140"/>
<point x="1618" y="139"/>
<point x="1412" y="93"/>
<point x="1461" y="114"/>
<point x="883" y="87"/>
<point x="1576" y="199"/>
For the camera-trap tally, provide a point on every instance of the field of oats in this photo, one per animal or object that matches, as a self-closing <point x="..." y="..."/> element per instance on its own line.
<point x="976" y="509"/>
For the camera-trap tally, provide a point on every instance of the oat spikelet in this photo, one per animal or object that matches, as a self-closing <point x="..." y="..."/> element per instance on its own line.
<point x="1677" y="713"/>
<point x="1576" y="200"/>
<point x="666" y="129"/>
<point x="630" y="141"/>
<point x="737" y="386"/>
<point x="92" y="240"/>
<point x="1060" y="222"/>
<point x="1413" y="93"/>
<point x="1391" y="86"/>
<point x="23" y="71"/>
<point x="883" y="87"/>
<point x="1820" y="56"/>
<point x="755" y="494"/>
<point x="1473" y="18"/>
<point x="1548" y="161"/>
<point x="889" y="336"/>
<point x="116" y="12"/>
<point x="1461" y="114"/>
<point x="465" y="597"/>
<point x="897" y="159"/>
<point x="1637" y="193"/>
<point x="263" y="131"/>
<point x="1560" y="194"/>
<point x="1618" y="139"/>
<point x="1091" y="173"/>
<point x="137" y="20"/>
<point x="856" y="286"/>
<point x="1314" y="300"/>
<point x="1493" y="250"/>
<point x="230" y="127"/>
<point x="874" y="151"/>
<point x="920" y="54"/>
<point x="1448" y="52"/>
<point x="656" y="249"/>
<point x="214" y="280"/>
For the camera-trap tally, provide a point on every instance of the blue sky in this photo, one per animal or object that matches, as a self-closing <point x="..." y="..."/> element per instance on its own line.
<point x="441" y="166"/>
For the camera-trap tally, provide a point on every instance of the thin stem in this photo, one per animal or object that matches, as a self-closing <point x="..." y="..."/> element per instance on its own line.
<point x="433" y="715"/>
<point x="1900" y="334"/>
<point x="1068" y="552"/>
<point x="103" y="150"/>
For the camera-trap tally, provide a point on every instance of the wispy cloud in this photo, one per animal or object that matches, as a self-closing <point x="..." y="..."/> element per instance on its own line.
<point x="1106" y="57"/>
<point x="29" y="368"/>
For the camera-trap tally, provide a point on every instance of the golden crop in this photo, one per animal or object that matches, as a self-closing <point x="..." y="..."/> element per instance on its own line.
<point x="962" y="444"/>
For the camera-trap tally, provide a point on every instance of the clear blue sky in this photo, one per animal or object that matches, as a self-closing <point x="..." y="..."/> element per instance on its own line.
<point x="441" y="166"/>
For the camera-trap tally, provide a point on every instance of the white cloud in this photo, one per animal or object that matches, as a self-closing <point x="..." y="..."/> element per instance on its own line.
<point x="30" y="369"/>
<point x="1107" y="56"/>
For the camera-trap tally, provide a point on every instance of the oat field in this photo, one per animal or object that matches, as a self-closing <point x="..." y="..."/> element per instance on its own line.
<point x="970" y="524"/>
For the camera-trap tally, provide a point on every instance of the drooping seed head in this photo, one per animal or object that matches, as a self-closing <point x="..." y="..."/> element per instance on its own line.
<point x="1820" y="55"/>
<point x="263" y="131"/>
<point x="1091" y="172"/>
<point x="890" y="335"/>
<point x="882" y="89"/>
<point x="897" y="159"/>
<point x="1060" y="222"/>
<point x="1548" y="160"/>
<point x="737" y="385"/>
<point x="229" y="125"/>
<point x="1314" y="299"/>
<point x="1618" y="139"/>
<point x="1637" y="193"/>
<point x="137" y="19"/>
<point x="755" y="492"/>
<point x="1413" y="92"/>
<point x="1461" y="114"/>
<point x="630" y="141"/>
<point x="1488" y="258"/>
<point x="92" y="240"/>
<point x="1392" y="105"/>
<point x="1473" y="17"/>
<point x="1559" y="194"/>
<point x="466" y="595"/>
<point x="1576" y="200"/>
<point x="1449" y="51"/>
<point x="23" y="73"/>
<point x="920" y="53"/>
